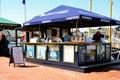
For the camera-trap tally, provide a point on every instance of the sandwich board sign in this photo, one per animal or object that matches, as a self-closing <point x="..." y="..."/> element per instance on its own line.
<point x="17" y="56"/>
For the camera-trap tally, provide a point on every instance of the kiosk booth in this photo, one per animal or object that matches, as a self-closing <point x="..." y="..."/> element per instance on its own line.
<point x="73" y="54"/>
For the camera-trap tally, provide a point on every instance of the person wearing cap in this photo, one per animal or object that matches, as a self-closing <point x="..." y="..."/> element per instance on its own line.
<point x="97" y="37"/>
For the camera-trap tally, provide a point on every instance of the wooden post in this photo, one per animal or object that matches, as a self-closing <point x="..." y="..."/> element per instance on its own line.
<point x="39" y="31"/>
<point x="77" y="29"/>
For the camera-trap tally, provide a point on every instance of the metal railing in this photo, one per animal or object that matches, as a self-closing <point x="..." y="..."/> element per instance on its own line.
<point x="115" y="52"/>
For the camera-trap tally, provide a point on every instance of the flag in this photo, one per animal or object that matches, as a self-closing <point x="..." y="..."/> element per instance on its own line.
<point x="23" y="1"/>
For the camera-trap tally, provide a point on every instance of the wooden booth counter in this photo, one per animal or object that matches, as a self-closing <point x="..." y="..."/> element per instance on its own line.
<point x="71" y="54"/>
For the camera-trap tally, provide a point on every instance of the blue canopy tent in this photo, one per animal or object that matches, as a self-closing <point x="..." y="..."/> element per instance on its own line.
<point x="65" y="16"/>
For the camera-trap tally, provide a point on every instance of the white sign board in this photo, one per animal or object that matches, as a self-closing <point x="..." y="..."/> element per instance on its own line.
<point x="68" y="55"/>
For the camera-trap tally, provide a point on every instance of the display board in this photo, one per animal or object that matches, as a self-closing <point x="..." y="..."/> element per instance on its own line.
<point x="68" y="53"/>
<point x="100" y="52"/>
<point x="54" y="52"/>
<point x="17" y="56"/>
<point x="108" y="52"/>
<point x="82" y="54"/>
<point x="91" y="53"/>
<point x="41" y="52"/>
<point x="30" y="51"/>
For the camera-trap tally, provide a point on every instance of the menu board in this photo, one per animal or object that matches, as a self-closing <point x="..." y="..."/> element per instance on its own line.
<point x="91" y="53"/>
<point x="18" y="55"/>
<point x="108" y="52"/>
<point x="53" y="53"/>
<point x="30" y="51"/>
<point x="100" y="52"/>
<point x="41" y="51"/>
<point x="68" y="53"/>
<point x="82" y="54"/>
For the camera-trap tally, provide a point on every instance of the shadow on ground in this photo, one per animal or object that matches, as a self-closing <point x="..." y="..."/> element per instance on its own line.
<point x="83" y="69"/>
<point x="107" y="68"/>
<point x="97" y="69"/>
<point x="28" y="66"/>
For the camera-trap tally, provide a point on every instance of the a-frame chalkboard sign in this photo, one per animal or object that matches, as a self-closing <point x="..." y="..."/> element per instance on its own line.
<point x="16" y="56"/>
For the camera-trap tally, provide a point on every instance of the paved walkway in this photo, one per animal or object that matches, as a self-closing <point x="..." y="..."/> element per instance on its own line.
<point x="42" y="72"/>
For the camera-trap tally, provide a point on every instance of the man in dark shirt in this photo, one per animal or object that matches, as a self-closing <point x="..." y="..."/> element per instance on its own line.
<point x="97" y="37"/>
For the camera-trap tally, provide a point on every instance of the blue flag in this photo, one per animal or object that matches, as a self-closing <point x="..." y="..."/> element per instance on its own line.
<point x="23" y="1"/>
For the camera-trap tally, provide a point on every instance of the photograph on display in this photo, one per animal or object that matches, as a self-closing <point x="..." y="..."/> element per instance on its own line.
<point x="73" y="39"/>
<point x="100" y="52"/>
<point x="68" y="53"/>
<point x="81" y="39"/>
<point x="91" y="53"/>
<point x="41" y="51"/>
<point x="30" y="51"/>
<point x="82" y="54"/>
<point x="54" y="52"/>
<point x="108" y="52"/>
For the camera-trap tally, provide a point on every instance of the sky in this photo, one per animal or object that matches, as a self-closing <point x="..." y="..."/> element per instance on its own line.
<point x="14" y="9"/>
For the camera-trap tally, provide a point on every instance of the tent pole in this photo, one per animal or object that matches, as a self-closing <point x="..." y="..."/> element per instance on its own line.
<point x="89" y="31"/>
<point x="109" y="34"/>
<point x="39" y="31"/>
<point x="111" y="2"/>
<point x="77" y="29"/>
<point x="16" y="36"/>
<point x="0" y="8"/>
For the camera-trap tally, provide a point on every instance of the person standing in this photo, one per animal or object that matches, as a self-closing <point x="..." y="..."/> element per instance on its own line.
<point x="97" y="37"/>
<point x="4" y="51"/>
<point x="67" y="37"/>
